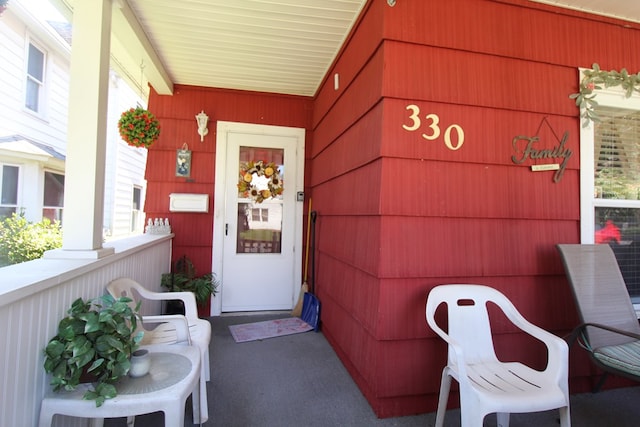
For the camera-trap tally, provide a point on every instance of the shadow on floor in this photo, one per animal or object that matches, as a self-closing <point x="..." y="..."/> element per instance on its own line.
<point x="298" y="380"/>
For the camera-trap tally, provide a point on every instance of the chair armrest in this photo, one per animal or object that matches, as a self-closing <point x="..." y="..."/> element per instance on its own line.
<point x="557" y="348"/>
<point x="579" y="332"/>
<point x="187" y="298"/>
<point x="453" y="347"/>
<point x="178" y="321"/>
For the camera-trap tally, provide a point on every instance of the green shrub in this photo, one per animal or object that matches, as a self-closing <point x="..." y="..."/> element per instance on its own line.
<point x="21" y="240"/>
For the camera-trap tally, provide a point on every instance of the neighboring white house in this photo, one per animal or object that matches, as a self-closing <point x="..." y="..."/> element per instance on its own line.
<point x="34" y="91"/>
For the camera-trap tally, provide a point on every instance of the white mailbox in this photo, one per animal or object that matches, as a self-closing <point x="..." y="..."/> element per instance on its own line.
<point x="182" y="202"/>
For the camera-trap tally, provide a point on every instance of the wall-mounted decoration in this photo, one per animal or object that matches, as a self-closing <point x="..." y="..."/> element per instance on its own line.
<point x="202" y="120"/>
<point x="182" y="202"/>
<point x="432" y="129"/>
<point x="526" y="149"/>
<point x="183" y="161"/>
<point x="259" y="181"/>
<point x="595" y="79"/>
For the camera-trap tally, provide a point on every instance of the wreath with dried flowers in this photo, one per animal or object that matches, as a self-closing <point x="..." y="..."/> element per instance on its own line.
<point x="139" y="127"/>
<point x="248" y="189"/>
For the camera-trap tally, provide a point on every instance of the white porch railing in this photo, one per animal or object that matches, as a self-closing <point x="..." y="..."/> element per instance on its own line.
<point x="35" y="295"/>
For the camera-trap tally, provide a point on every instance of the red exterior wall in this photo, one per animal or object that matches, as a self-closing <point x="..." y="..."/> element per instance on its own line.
<point x="176" y="113"/>
<point x="398" y="214"/>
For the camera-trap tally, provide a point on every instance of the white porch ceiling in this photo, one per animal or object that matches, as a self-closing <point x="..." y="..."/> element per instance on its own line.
<point x="278" y="46"/>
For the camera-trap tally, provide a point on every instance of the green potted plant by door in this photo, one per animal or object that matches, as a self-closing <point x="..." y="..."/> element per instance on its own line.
<point x="184" y="277"/>
<point x="94" y="343"/>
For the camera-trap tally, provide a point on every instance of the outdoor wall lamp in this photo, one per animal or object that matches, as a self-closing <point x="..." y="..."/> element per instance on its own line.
<point x="202" y="120"/>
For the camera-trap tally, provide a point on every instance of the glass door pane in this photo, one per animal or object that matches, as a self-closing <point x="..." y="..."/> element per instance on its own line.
<point x="260" y="200"/>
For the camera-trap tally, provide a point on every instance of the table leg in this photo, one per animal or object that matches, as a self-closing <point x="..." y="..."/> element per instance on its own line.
<point x="174" y="415"/>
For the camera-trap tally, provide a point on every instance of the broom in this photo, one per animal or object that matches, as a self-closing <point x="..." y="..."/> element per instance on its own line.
<point x="297" y="310"/>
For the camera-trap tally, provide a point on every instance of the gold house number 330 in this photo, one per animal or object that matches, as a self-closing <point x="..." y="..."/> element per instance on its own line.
<point x="434" y="128"/>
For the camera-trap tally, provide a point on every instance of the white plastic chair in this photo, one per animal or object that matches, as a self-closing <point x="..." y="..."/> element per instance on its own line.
<point x="488" y="385"/>
<point x="165" y="333"/>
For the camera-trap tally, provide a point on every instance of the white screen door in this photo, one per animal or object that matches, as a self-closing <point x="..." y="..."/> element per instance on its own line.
<point x="260" y="234"/>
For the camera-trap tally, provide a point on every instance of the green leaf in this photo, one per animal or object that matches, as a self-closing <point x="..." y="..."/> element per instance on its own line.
<point x="96" y="364"/>
<point x="93" y="322"/>
<point x="54" y="349"/>
<point x="105" y="317"/>
<point x="106" y="344"/>
<point x="107" y="390"/>
<point x="85" y="358"/>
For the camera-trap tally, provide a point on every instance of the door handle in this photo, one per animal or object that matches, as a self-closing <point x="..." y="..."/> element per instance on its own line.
<point x="226" y="229"/>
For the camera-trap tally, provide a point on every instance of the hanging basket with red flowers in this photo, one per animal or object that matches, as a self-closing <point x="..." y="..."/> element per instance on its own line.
<point x="139" y="127"/>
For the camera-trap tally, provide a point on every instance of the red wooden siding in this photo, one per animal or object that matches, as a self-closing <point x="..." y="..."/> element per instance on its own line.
<point x="398" y="214"/>
<point x="194" y="231"/>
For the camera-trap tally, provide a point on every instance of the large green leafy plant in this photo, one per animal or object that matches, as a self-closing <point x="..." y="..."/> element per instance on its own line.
<point x="95" y="339"/>
<point x="184" y="278"/>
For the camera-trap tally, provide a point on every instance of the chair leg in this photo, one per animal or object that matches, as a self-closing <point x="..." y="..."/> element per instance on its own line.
<point x="565" y="417"/>
<point x="470" y="417"/>
<point x="503" y="419"/>
<point x="445" y="386"/>
<point x="601" y="381"/>
<point x="174" y="415"/>
<point x="206" y="365"/>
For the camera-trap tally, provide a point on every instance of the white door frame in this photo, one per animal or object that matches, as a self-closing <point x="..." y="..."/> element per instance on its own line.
<point x="223" y="129"/>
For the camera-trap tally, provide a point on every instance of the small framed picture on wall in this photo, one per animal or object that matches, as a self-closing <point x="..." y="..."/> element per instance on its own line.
<point x="183" y="162"/>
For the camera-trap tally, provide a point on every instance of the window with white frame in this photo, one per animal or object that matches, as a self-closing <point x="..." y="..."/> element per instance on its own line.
<point x="610" y="182"/>
<point x="260" y="215"/>
<point x="36" y="59"/>
<point x="136" y="210"/>
<point x="53" y="196"/>
<point x="9" y="185"/>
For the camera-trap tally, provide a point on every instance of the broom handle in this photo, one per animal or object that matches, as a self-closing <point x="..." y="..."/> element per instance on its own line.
<point x="306" y="254"/>
<point x="314" y="214"/>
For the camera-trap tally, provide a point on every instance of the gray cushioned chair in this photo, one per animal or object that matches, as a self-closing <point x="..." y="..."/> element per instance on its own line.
<point x="609" y="328"/>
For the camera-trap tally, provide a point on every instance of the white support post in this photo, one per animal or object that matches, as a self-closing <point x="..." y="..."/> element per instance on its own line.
<point x="86" y="147"/>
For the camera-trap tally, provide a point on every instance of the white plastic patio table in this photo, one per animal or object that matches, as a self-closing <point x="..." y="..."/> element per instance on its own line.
<point x="173" y="376"/>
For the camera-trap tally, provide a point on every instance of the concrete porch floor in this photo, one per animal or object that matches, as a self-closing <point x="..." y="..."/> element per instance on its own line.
<point x="298" y="380"/>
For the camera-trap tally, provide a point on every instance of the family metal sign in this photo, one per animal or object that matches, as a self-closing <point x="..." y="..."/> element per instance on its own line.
<point x="526" y="147"/>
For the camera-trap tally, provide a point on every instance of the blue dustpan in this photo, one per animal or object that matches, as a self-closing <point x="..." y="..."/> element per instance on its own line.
<point x="311" y="310"/>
